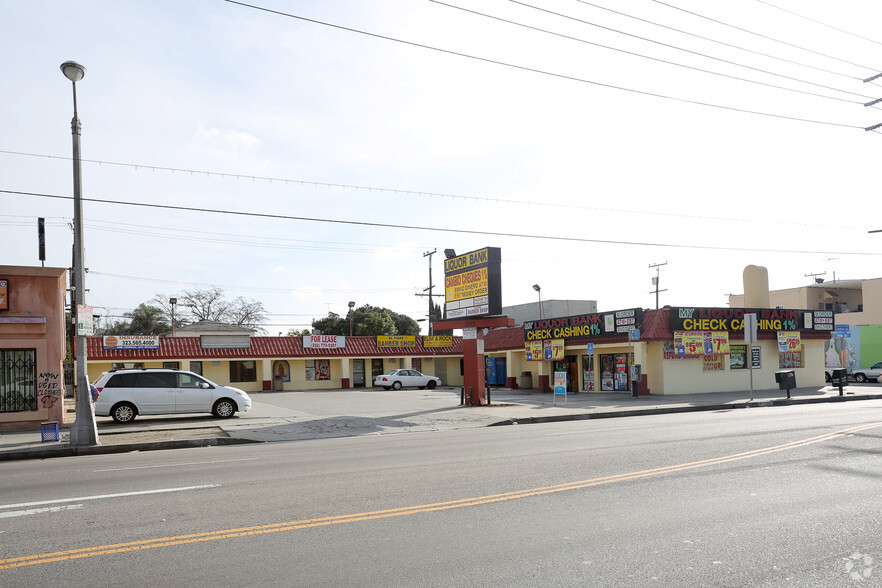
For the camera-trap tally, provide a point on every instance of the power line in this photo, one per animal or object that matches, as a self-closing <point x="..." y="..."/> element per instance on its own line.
<point x="725" y="24"/>
<point x="718" y="41"/>
<point x="669" y="46"/>
<point x="556" y="238"/>
<point x="543" y="72"/>
<point x="423" y="193"/>
<point x="818" y="22"/>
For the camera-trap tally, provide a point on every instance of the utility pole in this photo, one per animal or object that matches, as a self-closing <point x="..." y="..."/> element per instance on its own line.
<point x="429" y="254"/>
<point x="655" y="281"/>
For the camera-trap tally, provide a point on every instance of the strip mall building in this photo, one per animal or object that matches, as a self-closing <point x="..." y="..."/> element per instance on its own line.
<point x="679" y="351"/>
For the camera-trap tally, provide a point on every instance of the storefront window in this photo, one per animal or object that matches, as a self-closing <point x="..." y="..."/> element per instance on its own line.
<point x="588" y="373"/>
<point x="243" y="371"/>
<point x="790" y="359"/>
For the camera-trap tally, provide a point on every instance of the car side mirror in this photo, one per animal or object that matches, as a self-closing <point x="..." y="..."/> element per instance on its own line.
<point x="204" y="385"/>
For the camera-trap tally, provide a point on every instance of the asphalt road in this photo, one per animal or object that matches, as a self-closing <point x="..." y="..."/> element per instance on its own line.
<point x="784" y="496"/>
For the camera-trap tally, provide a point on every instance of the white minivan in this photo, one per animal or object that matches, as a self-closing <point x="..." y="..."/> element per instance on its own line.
<point x="124" y="394"/>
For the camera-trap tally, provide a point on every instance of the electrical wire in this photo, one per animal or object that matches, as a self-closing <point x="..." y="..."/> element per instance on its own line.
<point x="531" y="236"/>
<point x="764" y="36"/>
<point x="543" y="72"/>
<point x="823" y="24"/>
<point x="719" y="42"/>
<point x="399" y="191"/>
<point x="669" y="46"/>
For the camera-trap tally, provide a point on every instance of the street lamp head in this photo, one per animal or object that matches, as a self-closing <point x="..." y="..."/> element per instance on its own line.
<point x="449" y="253"/>
<point x="73" y="71"/>
<point x="172" y="301"/>
<point x="351" y="304"/>
<point x="536" y="287"/>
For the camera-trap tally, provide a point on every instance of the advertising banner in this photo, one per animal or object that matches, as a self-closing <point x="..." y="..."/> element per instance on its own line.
<point x="437" y="341"/>
<point x="788" y="341"/>
<point x="131" y="342"/>
<point x="387" y="341"/>
<point x="4" y="294"/>
<point x="534" y="350"/>
<point x="712" y="363"/>
<point x="324" y="341"/>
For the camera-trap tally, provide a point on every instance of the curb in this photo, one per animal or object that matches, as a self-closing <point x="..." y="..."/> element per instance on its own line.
<point x="68" y="451"/>
<point x="680" y="409"/>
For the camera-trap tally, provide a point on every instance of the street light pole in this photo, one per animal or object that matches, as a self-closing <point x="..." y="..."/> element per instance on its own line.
<point x="539" y="292"/>
<point x="351" y="312"/>
<point x="84" y="430"/>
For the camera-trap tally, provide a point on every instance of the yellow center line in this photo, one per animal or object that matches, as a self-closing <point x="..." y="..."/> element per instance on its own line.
<point x="71" y="554"/>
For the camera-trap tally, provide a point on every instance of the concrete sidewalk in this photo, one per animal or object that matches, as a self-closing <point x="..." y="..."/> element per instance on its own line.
<point x="294" y="416"/>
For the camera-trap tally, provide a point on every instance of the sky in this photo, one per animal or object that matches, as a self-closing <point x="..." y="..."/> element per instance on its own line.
<point x="306" y="154"/>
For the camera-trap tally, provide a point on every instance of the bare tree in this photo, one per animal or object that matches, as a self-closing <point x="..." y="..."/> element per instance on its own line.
<point x="246" y="314"/>
<point x="206" y="305"/>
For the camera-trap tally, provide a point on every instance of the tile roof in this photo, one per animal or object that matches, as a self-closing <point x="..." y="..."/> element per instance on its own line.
<point x="282" y="347"/>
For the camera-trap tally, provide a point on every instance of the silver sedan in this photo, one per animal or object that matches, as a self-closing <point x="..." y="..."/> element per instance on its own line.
<point x="396" y="379"/>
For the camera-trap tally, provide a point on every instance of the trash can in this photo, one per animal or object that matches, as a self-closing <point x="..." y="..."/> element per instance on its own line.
<point x="49" y="431"/>
<point x="526" y="380"/>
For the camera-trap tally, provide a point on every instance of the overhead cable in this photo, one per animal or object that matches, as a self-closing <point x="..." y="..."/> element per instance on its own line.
<point x="436" y="229"/>
<point x="542" y="72"/>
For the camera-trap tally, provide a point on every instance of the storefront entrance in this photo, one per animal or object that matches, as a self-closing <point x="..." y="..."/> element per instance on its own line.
<point x="571" y="367"/>
<point x="358" y="373"/>
<point x="588" y="384"/>
<point x="376" y="369"/>
<point x="614" y="372"/>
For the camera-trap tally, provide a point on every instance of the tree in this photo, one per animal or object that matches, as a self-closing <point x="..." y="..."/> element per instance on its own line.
<point x="437" y="316"/>
<point x="368" y="321"/>
<point x="146" y="319"/>
<point x="331" y="325"/>
<point x="211" y="305"/>
<point x="297" y="332"/>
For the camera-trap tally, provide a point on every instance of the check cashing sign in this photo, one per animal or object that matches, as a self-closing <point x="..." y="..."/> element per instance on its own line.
<point x="472" y="284"/>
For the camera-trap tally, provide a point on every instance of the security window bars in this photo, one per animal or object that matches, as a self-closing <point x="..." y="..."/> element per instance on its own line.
<point x="18" y="380"/>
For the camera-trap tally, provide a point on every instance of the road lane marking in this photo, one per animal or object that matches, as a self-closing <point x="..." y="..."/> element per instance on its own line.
<point x="172" y="465"/>
<point x="105" y="496"/>
<point x="33" y="511"/>
<point x="45" y="558"/>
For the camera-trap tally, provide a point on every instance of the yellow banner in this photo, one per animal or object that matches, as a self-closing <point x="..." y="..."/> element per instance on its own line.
<point x="534" y="350"/>
<point x="438" y="341"/>
<point x="470" y="284"/>
<point x="788" y="341"/>
<point x="396" y="341"/>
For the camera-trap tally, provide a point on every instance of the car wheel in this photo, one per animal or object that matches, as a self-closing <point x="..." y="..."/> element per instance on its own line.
<point x="224" y="408"/>
<point x="124" y="412"/>
<point x="422" y="387"/>
<point x="432" y="384"/>
<point x="396" y="386"/>
<point x="828" y="377"/>
<point x="860" y="378"/>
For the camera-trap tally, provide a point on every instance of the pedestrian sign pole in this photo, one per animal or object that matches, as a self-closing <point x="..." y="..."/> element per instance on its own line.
<point x="750" y="340"/>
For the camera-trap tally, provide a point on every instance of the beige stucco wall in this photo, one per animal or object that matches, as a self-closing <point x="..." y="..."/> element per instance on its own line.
<point x="685" y="376"/>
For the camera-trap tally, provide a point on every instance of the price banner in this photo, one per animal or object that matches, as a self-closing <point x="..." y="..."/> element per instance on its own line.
<point x="717" y="342"/>
<point x="689" y="342"/>
<point x="788" y="341"/>
<point x="534" y="350"/>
